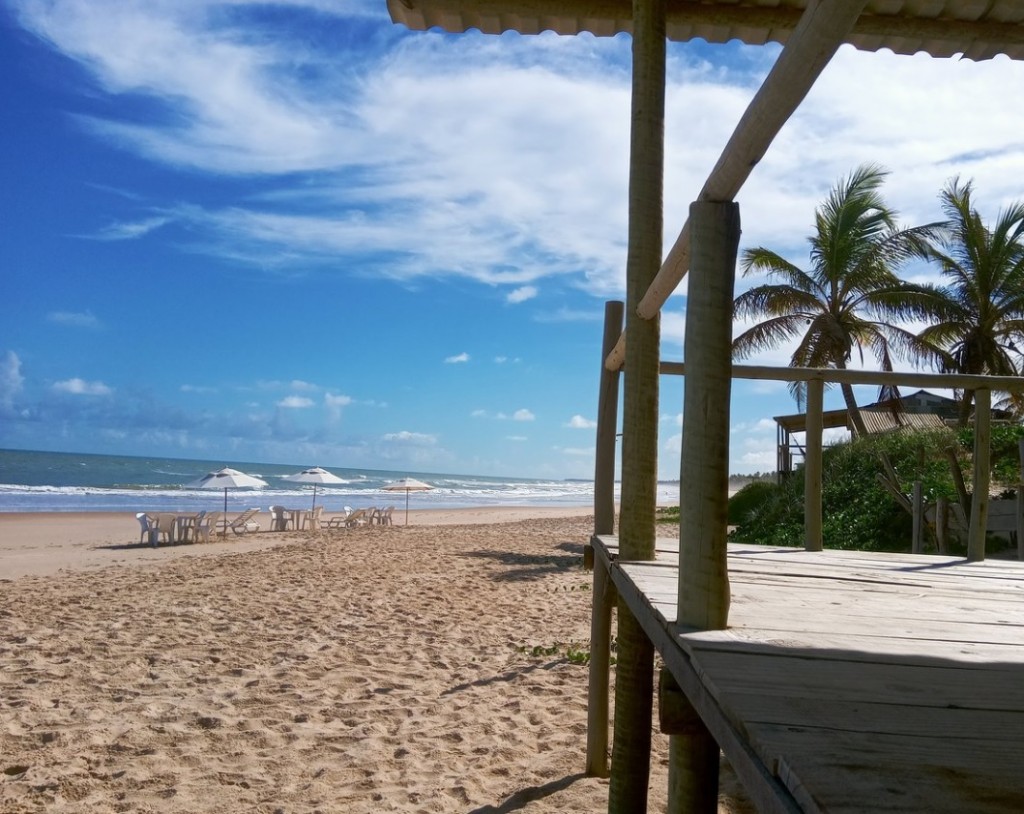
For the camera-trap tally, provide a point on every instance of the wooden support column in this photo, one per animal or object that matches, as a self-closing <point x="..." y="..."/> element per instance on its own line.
<point x="604" y="594"/>
<point x="1020" y="502"/>
<point x="602" y="602"/>
<point x="703" y="590"/>
<point x="982" y="460"/>
<point x="812" y="465"/>
<point x="634" y="671"/>
<point x="607" y="422"/>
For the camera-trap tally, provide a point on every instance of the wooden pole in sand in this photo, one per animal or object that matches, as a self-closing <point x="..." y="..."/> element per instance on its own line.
<point x="634" y="667"/>
<point x="982" y="459"/>
<point x="703" y="588"/>
<point x="812" y="465"/>
<point x="603" y="600"/>
<point x="604" y="594"/>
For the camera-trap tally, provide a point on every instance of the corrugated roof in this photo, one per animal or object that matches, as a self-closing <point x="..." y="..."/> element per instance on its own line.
<point x="977" y="29"/>
<point x="883" y="419"/>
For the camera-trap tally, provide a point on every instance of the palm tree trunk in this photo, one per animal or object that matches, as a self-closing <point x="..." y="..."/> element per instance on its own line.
<point x="859" y="428"/>
<point x="634" y="674"/>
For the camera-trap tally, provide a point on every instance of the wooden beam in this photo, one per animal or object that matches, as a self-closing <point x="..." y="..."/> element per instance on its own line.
<point x="813" y="466"/>
<point x="823" y="27"/>
<point x="982" y="460"/>
<point x="1009" y="384"/>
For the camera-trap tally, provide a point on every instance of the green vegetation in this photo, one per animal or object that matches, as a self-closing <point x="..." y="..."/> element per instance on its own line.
<point x="858" y="513"/>
<point x="572" y="652"/>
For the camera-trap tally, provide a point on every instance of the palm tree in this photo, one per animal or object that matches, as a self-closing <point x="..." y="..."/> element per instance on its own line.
<point x="979" y="313"/>
<point x="849" y="297"/>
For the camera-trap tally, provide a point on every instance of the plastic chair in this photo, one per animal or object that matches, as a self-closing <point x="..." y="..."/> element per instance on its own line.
<point x="148" y="524"/>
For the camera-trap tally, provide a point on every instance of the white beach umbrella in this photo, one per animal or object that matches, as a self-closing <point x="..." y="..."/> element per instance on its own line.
<point x="225" y="479"/>
<point x="316" y="476"/>
<point x="407" y="485"/>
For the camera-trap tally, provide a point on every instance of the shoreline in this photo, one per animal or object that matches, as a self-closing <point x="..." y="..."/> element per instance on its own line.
<point x="39" y="544"/>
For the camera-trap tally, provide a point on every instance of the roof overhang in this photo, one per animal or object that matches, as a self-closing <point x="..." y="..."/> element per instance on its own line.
<point x="975" y="29"/>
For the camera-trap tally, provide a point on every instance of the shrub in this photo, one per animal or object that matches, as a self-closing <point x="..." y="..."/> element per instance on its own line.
<point x="858" y="512"/>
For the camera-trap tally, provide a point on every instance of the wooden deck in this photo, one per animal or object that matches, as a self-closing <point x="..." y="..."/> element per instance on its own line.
<point x="851" y="681"/>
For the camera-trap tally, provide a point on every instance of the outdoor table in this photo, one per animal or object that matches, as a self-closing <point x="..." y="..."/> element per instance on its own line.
<point x="298" y="517"/>
<point x="185" y="526"/>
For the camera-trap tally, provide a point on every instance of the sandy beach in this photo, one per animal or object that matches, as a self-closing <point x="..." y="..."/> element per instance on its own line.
<point x="428" y="668"/>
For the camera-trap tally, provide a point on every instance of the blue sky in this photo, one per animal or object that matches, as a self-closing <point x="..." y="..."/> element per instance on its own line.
<point x="294" y="232"/>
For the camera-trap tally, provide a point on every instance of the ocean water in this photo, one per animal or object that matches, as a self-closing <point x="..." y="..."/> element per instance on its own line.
<point x="71" y="482"/>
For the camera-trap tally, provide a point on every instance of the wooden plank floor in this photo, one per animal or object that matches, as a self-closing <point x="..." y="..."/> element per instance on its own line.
<point x="852" y="681"/>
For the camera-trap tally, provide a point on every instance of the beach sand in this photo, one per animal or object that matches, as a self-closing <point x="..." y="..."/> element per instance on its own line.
<point x="426" y="668"/>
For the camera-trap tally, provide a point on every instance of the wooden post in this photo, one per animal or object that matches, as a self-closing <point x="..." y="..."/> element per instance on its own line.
<point x="634" y="671"/>
<point x="602" y="602"/>
<point x="607" y="421"/>
<point x="942" y="524"/>
<point x="982" y="461"/>
<point x="917" y="524"/>
<point x="703" y="590"/>
<point x="1020" y="502"/>
<point x="812" y="465"/>
<point x="1020" y="521"/>
<point x="689" y="774"/>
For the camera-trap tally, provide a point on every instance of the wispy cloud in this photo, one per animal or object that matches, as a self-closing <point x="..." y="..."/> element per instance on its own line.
<point x="81" y="387"/>
<point x="295" y="402"/>
<point x="458" y="359"/>
<point x="523" y="415"/>
<point x="130" y="230"/>
<point x="11" y="380"/>
<point x="73" y="319"/>
<point x="415" y="438"/>
<point x="578" y="422"/>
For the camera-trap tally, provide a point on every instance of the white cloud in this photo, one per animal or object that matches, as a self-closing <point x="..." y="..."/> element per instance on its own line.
<point x="131" y="230"/>
<point x="517" y="438"/>
<point x="80" y="387"/>
<point x="522" y="294"/>
<point x="576" y="451"/>
<point x="580" y="423"/>
<point x="74" y="319"/>
<point x="523" y="415"/>
<point x="457" y="359"/>
<point x="295" y="402"/>
<point x="333" y="404"/>
<point x="412" y="438"/>
<point x="11" y="380"/>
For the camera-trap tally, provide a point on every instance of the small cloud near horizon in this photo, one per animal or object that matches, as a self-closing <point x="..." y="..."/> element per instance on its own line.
<point x="578" y="422"/>
<point x="457" y="359"/>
